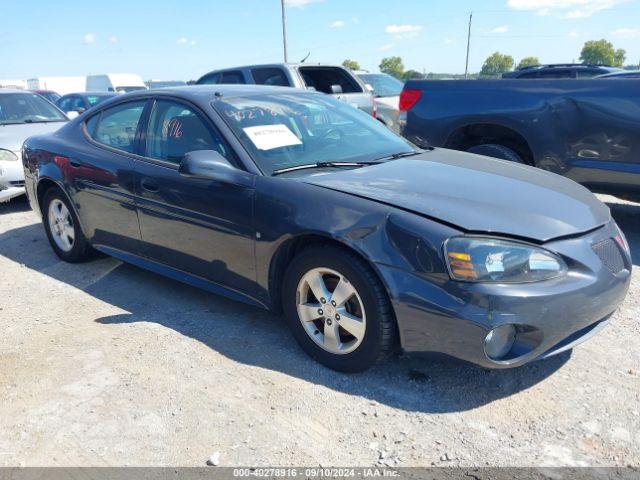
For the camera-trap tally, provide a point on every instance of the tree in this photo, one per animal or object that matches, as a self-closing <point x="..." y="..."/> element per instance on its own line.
<point x="528" y="62"/>
<point x="497" y="64"/>
<point x="412" y="75"/>
<point x="601" y="52"/>
<point x="351" y="64"/>
<point x="392" y="66"/>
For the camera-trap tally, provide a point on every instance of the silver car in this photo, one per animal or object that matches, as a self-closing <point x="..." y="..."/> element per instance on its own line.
<point x="22" y="115"/>
<point x="331" y="79"/>
<point x="386" y="90"/>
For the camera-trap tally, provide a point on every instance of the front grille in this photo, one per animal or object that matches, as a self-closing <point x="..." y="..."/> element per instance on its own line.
<point x="17" y="183"/>
<point x="610" y="254"/>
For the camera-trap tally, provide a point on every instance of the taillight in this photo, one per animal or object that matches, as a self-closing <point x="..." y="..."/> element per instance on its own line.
<point x="375" y="108"/>
<point x="408" y="98"/>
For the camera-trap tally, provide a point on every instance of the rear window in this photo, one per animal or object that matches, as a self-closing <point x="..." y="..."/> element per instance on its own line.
<point x="270" y="76"/>
<point x="323" y="79"/>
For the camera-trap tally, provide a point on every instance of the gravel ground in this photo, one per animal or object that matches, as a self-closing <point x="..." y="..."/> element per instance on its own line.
<point x="105" y="364"/>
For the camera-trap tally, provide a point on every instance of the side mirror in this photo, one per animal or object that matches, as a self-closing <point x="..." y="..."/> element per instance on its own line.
<point x="368" y="87"/>
<point x="80" y="110"/>
<point x="335" y="89"/>
<point x="72" y="114"/>
<point x="210" y="165"/>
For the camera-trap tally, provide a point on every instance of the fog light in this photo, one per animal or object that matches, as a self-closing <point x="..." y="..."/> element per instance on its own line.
<point x="499" y="341"/>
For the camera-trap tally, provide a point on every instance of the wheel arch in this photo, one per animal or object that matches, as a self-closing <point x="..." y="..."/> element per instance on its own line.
<point x="477" y="133"/>
<point x="44" y="185"/>
<point x="292" y="246"/>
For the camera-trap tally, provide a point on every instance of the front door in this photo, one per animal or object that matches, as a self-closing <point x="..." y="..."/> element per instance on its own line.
<point x="202" y="227"/>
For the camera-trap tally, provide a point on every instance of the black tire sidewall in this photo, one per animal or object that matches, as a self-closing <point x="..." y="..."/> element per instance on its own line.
<point x="495" y="150"/>
<point x="368" y="352"/>
<point x="78" y="251"/>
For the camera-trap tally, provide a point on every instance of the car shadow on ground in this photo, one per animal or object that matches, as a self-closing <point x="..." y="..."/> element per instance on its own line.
<point x="627" y="216"/>
<point x="257" y="338"/>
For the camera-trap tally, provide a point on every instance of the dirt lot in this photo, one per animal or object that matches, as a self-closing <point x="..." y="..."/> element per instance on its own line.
<point x="105" y="364"/>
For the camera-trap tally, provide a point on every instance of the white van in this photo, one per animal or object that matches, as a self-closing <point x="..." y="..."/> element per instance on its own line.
<point x="115" y="82"/>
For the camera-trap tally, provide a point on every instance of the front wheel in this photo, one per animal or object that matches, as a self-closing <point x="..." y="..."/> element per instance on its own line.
<point x="337" y="309"/>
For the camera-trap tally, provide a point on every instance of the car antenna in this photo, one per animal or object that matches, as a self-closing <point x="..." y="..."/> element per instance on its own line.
<point x="302" y="61"/>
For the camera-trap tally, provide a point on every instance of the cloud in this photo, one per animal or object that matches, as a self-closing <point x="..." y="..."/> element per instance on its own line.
<point x="449" y="41"/>
<point x="501" y="29"/>
<point x="564" y="8"/>
<point x="337" y="24"/>
<point x="573" y="33"/>
<point x="113" y="39"/>
<point x="89" y="38"/>
<point x="301" y="3"/>
<point x="186" y="41"/>
<point x="386" y="47"/>
<point x="404" y="31"/>
<point x="626" y="33"/>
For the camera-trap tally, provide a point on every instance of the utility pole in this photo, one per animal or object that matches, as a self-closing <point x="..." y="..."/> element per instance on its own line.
<point x="284" y="30"/>
<point x="466" y="67"/>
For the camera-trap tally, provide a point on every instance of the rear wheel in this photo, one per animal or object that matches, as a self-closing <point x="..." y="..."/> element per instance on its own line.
<point x="337" y="309"/>
<point x="63" y="229"/>
<point x="496" y="151"/>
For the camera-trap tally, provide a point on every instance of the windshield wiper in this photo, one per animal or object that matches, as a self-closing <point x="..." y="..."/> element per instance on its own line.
<point x="42" y="121"/>
<point x="322" y="165"/>
<point x="395" y="156"/>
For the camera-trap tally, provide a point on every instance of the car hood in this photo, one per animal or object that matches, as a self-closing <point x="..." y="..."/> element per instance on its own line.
<point x="476" y="194"/>
<point x="13" y="136"/>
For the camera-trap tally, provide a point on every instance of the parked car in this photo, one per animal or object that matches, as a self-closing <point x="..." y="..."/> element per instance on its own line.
<point x="622" y="74"/>
<point x="22" y="114"/>
<point x="293" y="201"/>
<point x="586" y="130"/>
<point x="80" y="102"/>
<point x="329" y="79"/>
<point x="386" y="90"/>
<point x="115" y="82"/>
<point x="560" y="70"/>
<point x="48" y="95"/>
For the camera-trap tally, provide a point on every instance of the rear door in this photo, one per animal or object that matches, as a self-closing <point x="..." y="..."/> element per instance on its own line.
<point x="103" y="175"/>
<point x="338" y="82"/>
<point x="203" y="227"/>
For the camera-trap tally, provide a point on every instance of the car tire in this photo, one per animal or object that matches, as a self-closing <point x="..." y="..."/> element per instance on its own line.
<point x="359" y="345"/>
<point x="496" y="151"/>
<point x="63" y="228"/>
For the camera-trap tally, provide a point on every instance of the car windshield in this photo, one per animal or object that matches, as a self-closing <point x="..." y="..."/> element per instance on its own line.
<point x="27" y="108"/>
<point x="283" y="131"/>
<point x="383" y="85"/>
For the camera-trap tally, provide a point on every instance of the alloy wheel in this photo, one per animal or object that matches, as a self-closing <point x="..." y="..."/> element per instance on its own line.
<point x="331" y="310"/>
<point x="61" y="225"/>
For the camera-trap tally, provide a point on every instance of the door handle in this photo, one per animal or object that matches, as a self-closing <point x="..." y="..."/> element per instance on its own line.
<point x="74" y="163"/>
<point x="149" y="186"/>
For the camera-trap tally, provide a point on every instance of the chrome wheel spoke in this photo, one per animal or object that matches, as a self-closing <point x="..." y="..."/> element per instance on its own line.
<point x="352" y="324"/>
<point x="331" y="335"/>
<point x="61" y="225"/>
<point x="309" y="312"/>
<point x="317" y="286"/>
<point x="342" y="293"/>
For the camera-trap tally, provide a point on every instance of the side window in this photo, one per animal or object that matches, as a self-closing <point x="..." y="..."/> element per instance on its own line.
<point x="234" y="76"/>
<point x="270" y="76"/>
<point x="557" y="73"/>
<point x="117" y="126"/>
<point x="210" y="79"/>
<point x="63" y="104"/>
<point x="529" y="75"/>
<point x="174" y="129"/>
<point x="324" y="78"/>
<point x="588" y="73"/>
<point x="76" y="102"/>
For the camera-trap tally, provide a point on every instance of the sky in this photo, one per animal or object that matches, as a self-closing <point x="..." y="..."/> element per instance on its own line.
<point x="181" y="40"/>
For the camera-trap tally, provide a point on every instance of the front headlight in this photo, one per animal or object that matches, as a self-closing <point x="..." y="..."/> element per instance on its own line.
<point x="7" y="155"/>
<point x="474" y="259"/>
